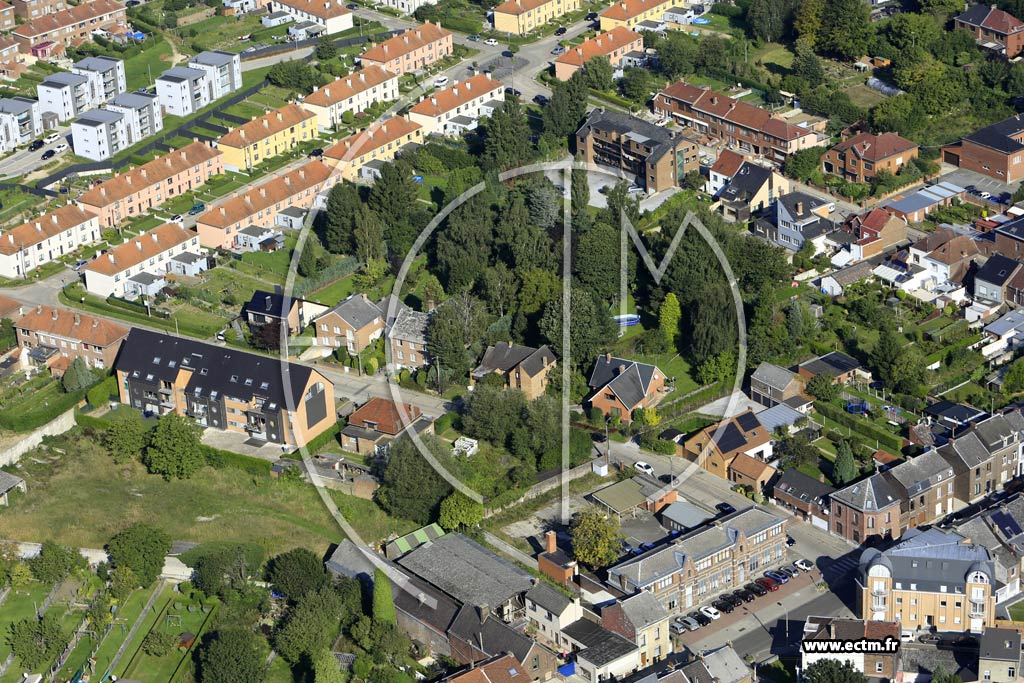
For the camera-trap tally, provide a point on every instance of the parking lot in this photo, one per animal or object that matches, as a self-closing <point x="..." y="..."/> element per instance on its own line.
<point x="980" y="183"/>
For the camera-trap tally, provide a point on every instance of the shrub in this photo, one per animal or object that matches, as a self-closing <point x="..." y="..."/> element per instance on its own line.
<point x="101" y="393"/>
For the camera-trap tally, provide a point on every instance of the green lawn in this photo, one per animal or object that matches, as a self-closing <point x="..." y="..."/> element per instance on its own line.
<point x="185" y="318"/>
<point x="141" y="70"/>
<point x="20" y="604"/>
<point x="334" y="292"/>
<point x="178" y="615"/>
<point x="125" y="616"/>
<point x="1017" y="611"/>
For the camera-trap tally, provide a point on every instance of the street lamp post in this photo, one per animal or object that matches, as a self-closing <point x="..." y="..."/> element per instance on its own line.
<point x="787" y="620"/>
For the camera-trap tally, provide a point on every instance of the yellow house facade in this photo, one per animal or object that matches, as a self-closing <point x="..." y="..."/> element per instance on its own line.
<point x="276" y="132"/>
<point x="380" y="142"/>
<point x="629" y="13"/>
<point x="522" y="16"/>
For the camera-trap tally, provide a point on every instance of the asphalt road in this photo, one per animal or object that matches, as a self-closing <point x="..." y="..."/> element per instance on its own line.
<point x="23" y="161"/>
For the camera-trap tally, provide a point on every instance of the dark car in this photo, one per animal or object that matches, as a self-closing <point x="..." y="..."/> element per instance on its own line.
<point x="540" y="100"/>
<point x="768" y="584"/>
<point x="598" y="437"/>
<point x="699" y="618"/>
<point x="744" y="595"/>
<point x="732" y="599"/>
<point x="591" y="17"/>
<point x="647" y="546"/>
<point x="352" y="6"/>
<point x="48" y="154"/>
<point x="561" y="31"/>
<point x="777" y="576"/>
<point x="132" y="3"/>
<point x="1005" y="198"/>
<point x="756" y="589"/>
<point x="35" y="145"/>
<point x="725" y="508"/>
<point x="790" y="541"/>
<point x="513" y="92"/>
<point x="316" y="153"/>
<point x="723" y="606"/>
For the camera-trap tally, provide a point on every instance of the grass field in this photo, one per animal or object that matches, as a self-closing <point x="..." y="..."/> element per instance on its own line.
<point x="334" y="292"/>
<point x="20" y="604"/>
<point x="176" y="614"/>
<point x="863" y="96"/>
<point x="141" y="70"/>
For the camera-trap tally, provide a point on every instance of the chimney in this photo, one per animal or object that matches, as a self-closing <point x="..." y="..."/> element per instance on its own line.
<point x="223" y="212"/>
<point x="280" y="116"/>
<point x="138" y="244"/>
<point x="145" y="175"/>
<point x="54" y="314"/>
<point x="267" y="300"/>
<point x="128" y="178"/>
<point x="154" y="236"/>
<point x="111" y="257"/>
<point x="362" y="76"/>
<point x="266" y="122"/>
<point x="95" y="323"/>
<point x="39" y="226"/>
<point x="39" y="309"/>
<point x="78" y="320"/>
<point x="433" y="100"/>
<point x="607" y="358"/>
<point x="799" y="208"/>
<point x="550" y="542"/>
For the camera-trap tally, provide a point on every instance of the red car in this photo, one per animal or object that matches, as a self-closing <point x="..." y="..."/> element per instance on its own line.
<point x="768" y="584"/>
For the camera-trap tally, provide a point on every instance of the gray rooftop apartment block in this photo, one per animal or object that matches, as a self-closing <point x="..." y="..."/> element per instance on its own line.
<point x="20" y="121"/>
<point x="106" y="76"/>
<point x="99" y="134"/>
<point x="142" y="113"/>
<point x="183" y="90"/>
<point x="223" y="71"/>
<point x="65" y="94"/>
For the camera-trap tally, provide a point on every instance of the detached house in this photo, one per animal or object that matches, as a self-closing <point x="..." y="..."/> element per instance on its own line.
<point x="355" y="323"/>
<point x="994" y="29"/>
<point x="801" y="217"/>
<point x="619" y="386"/>
<point x="721" y="172"/>
<point x="996" y="150"/>
<point x="860" y="158"/>
<point x="771" y="385"/>
<point x="737" y="449"/>
<point x="523" y="368"/>
<point x="407" y="337"/>
<point x="267" y="308"/>
<point x="377" y="422"/>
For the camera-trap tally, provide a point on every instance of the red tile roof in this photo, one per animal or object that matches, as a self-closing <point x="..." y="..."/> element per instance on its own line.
<point x="261" y="197"/>
<point x="734" y="111"/>
<point x="374" y="137"/>
<point x="406" y="42"/>
<point x="599" y="46"/>
<point x="382" y="415"/>
<point x="628" y="9"/>
<point x="457" y="95"/>
<point x="139" y="249"/>
<point x="727" y="163"/>
<point x="60" y="322"/>
<point x="68" y="17"/>
<point x="38" y="229"/>
<point x="268" y="125"/>
<point x="349" y="86"/>
<point x="876" y="147"/>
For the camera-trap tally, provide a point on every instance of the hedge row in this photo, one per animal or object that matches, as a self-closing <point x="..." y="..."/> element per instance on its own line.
<point x="25" y="418"/>
<point x="219" y="460"/>
<point x="859" y="425"/>
<point x="318" y="442"/>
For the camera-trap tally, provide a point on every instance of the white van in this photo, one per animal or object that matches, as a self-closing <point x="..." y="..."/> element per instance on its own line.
<point x="440" y="81"/>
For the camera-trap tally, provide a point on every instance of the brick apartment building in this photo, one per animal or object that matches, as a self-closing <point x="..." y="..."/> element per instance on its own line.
<point x="994" y="29"/>
<point x="996" y="151"/>
<point x="53" y="337"/>
<point x="614" y="45"/>
<point x="140" y="189"/>
<point x="69" y="26"/>
<point x="33" y="9"/>
<point x="411" y="50"/>
<point x="867" y="508"/>
<point x="657" y="157"/>
<point x="860" y="158"/>
<point x="735" y="549"/>
<point x="224" y="388"/>
<point x="750" y="129"/>
<point x="931" y="580"/>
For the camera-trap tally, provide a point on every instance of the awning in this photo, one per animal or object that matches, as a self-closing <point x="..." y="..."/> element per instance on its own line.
<point x="842" y="258"/>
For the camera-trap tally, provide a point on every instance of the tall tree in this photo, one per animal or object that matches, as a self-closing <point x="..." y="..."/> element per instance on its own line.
<point x="463" y="247"/>
<point x="567" y="107"/>
<point x="599" y="73"/>
<point x="808" y="20"/>
<point x="832" y="671"/>
<point x="846" y="28"/>
<point x="845" y="468"/>
<point x="368" y="236"/>
<point x="383" y="601"/>
<point x="311" y="625"/>
<point x="77" y="377"/>
<point x="768" y="19"/>
<point x="393" y="195"/>
<point x="591" y="328"/>
<point x="231" y="655"/>
<point x="297" y="573"/>
<point x="807" y="66"/>
<point x="174" y="449"/>
<point x="326" y="50"/>
<point x="325" y="668"/>
<point x="142" y="549"/>
<point x="126" y="438"/>
<point x="678" y="53"/>
<point x="507" y="143"/>
<point x="343" y="207"/>
<point x="886" y="352"/>
<point x="713" y="324"/>
<point x="669" y="315"/>
<point x="54" y="562"/>
<point x="595" y="537"/>
<point x="459" y="512"/>
<point x="37" y="641"/>
<point x="597" y="261"/>
<point x="410" y="488"/>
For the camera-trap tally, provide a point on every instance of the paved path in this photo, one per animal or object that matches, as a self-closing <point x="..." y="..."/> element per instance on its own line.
<point x="136" y="626"/>
<point x="509" y="550"/>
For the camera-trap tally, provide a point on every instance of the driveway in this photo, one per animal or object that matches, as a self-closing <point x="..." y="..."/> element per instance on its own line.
<point x="983" y="183"/>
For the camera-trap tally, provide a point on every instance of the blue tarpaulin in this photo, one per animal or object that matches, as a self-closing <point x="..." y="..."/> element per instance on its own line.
<point x="567" y="669"/>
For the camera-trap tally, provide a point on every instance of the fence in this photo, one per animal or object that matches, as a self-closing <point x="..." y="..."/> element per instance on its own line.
<point x="58" y="425"/>
<point x="543" y="487"/>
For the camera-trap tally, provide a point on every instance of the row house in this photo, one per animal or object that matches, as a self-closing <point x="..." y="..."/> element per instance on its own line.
<point x="354" y="93"/>
<point x="138" y="190"/>
<point x="925" y="489"/>
<point x="693" y="568"/>
<point x="738" y="124"/>
<point x="408" y="6"/>
<point x="643" y="620"/>
<point x="992" y="280"/>
<point x="260" y="205"/>
<point x="1001" y="530"/>
<point x="361" y="154"/>
<point x="657" y="157"/>
<point x="223" y="388"/>
<point x="331" y="15"/>
<point x="54" y="337"/>
<point x="860" y="158"/>
<point x="613" y="46"/>
<point x="458" y="108"/>
<point x="934" y="580"/>
<point x="519" y="17"/>
<point x="32" y="9"/>
<point x="21" y="121"/>
<point x="630" y="13"/>
<point x="69" y="26"/>
<point x="130" y="266"/>
<point x="945" y="255"/>
<point x="410" y="51"/>
<point x="46" y="239"/>
<point x="276" y="132"/>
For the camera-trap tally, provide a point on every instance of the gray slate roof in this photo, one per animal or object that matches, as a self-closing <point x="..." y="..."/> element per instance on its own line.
<point x="773" y="375"/>
<point x="134" y="100"/>
<point x="643" y="610"/>
<point x="547" y="597"/>
<point x="796" y="484"/>
<point x="489" y="633"/>
<point x="467" y="571"/>
<point x="868" y="495"/>
<point x="62" y="79"/>
<point x="179" y="74"/>
<point x="98" y="117"/>
<point x="931" y="559"/>
<point x="601" y="646"/>
<point x="100" y="63"/>
<point x="9" y="481"/>
<point x="659" y="139"/>
<point x="357" y="311"/>
<point x="505" y="356"/>
<point x="1000" y="644"/>
<point x="722" y="666"/>
<point x="213" y="58"/>
<point x="411" y="326"/>
<point x="628" y="379"/>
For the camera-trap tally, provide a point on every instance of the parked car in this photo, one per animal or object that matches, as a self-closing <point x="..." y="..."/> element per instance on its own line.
<point x="51" y="138"/>
<point x="559" y="50"/>
<point x="690" y="623"/>
<point x="677" y="626"/>
<point x="491" y="42"/>
<point x="780" y="577"/>
<point x="793" y="572"/>
<point x="756" y="589"/>
<point x="352" y="6"/>
<point x="700" y="618"/>
<point x="513" y="92"/>
<point x="48" y="154"/>
<point x="725" y="508"/>
<point x="540" y="100"/>
<point x="647" y="546"/>
<point x="561" y="31"/>
<point x="790" y="541"/>
<point x="177" y="218"/>
<point x="62" y="147"/>
<point x="803" y="565"/>
<point x="732" y="599"/>
<point x="197" y="209"/>
<point x="768" y="584"/>
<point x="710" y="612"/>
<point x="591" y="17"/>
<point x="985" y="195"/>
<point x="35" y="145"/>
<point x="745" y="595"/>
<point x="473" y="38"/>
<point x="644" y="468"/>
<point x="79" y="264"/>
<point x="440" y="81"/>
<point x="723" y="606"/>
